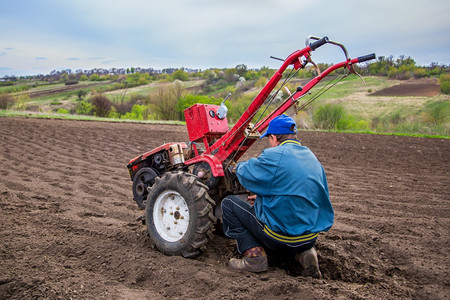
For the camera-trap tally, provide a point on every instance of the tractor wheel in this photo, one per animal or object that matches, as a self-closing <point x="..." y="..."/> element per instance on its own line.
<point x="144" y="178"/>
<point x="179" y="214"/>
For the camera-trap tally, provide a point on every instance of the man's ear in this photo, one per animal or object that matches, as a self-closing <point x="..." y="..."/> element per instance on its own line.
<point x="276" y="138"/>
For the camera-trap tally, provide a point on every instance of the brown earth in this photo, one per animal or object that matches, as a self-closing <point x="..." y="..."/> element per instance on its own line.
<point x="417" y="87"/>
<point x="68" y="226"/>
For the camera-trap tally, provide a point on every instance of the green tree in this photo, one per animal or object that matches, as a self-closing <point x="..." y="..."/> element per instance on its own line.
<point x="209" y="75"/>
<point x="266" y="72"/>
<point x="261" y="82"/>
<point x="180" y="74"/>
<point x="94" y="77"/>
<point x="241" y="70"/>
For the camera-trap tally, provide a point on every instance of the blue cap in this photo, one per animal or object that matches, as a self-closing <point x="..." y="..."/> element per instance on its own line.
<point x="281" y="125"/>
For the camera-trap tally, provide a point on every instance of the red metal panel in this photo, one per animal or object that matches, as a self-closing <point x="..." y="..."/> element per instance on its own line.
<point x="162" y="147"/>
<point x="202" y="120"/>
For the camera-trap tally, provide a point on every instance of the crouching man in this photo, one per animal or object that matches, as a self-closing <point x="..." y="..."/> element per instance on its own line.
<point x="291" y="206"/>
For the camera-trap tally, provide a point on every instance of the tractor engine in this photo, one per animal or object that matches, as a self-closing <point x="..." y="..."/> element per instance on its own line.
<point x="205" y="123"/>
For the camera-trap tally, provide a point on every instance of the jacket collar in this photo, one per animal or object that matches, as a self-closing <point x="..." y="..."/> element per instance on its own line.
<point x="290" y="142"/>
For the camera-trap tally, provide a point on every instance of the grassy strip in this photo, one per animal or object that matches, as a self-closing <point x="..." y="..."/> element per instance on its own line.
<point x="38" y="115"/>
<point x="389" y="133"/>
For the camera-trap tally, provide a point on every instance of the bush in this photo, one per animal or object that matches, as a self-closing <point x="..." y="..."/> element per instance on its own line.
<point x="6" y="83"/>
<point x="437" y="113"/>
<point x="165" y="99"/>
<point x="261" y="82"/>
<point x="21" y="101"/>
<point x="55" y="102"/>
<point x="136" y="79"/>
<point x="236" y="107"/>
<point x="395" y="118"/>
<point x="348" y="122"/>
<point x="6" y="101"/>
<point x="445" y="83"/>
<point x="84" y="108"/>
<point x="101" y="105"/>
<point x="138" y="112"/>
<point x="328" y="116"/>
<point x="189" y="100"/>
<point x="209" y="76"/>
<point x="420" y="72"/>
<point x="62" y="111"/>
<point x="81" y="94"/>
<point x="16" y="88"/>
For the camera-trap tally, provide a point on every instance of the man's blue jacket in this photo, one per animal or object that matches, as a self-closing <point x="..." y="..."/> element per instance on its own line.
<point x="291" y="188"/>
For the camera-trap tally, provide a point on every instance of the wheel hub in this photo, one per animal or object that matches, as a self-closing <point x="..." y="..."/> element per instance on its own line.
<point x="140" y="189"/>
<point x="171" y="216"/>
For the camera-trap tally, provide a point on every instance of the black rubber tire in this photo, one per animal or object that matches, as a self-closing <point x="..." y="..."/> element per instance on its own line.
<point x="200" y="212"/>
<point x="144" y="178"/>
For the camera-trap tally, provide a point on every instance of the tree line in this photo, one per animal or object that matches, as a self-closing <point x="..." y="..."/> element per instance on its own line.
<point x="169" y="99"/>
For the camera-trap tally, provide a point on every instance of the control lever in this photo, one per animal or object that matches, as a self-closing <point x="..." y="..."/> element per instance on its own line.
<point x="223" y="109"/>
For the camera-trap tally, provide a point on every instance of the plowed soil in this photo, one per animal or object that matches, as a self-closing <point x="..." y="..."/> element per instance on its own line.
<point x="427" y="87"/>
<point x="68" y="226"/>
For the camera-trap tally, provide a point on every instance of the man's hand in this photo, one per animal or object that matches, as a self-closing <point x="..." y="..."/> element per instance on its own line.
<point x="232" y="169"/>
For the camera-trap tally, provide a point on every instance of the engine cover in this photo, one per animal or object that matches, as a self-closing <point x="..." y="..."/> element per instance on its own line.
<point x="202" y="120"/>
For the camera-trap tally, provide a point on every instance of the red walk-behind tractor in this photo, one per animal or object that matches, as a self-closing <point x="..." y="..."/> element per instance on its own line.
<point x="181" y="185"/>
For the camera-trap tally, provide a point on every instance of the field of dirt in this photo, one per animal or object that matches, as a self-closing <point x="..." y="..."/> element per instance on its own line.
<point x="68" y="226"/>
<point x="427" y="87"/>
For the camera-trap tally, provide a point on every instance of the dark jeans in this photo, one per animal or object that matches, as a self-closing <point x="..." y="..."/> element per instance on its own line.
<point x="241" y="224"/>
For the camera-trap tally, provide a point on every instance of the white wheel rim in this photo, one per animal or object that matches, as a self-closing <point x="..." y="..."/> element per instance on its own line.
<point x="171" y="216"/>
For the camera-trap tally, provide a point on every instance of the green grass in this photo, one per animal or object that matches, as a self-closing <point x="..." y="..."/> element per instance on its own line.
<point x="351" y="85"/>
<point x="56" y="97"/>
<point x="353" y="95"/>
<point x="38" y="115"/>
<point x="404" y="115"/>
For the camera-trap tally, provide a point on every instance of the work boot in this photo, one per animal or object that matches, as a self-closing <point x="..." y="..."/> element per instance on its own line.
<point x="310" y="263"/>
<point x="254" y="260"/>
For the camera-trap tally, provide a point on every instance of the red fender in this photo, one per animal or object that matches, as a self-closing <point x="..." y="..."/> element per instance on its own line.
<point x="211" y="160"/>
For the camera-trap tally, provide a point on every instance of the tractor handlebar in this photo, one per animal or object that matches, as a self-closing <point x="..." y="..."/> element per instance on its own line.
<point x="318" y="43"/>
<point x="366" y="57"/>
<point x="231" y="144"/>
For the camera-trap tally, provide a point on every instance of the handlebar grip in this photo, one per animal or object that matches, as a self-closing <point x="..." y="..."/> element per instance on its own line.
<point x="318" y="43"/>
<point x="366" y="57"/>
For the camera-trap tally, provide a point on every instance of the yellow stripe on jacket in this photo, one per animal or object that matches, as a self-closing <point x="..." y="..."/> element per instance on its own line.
<point x="289" y="239"/>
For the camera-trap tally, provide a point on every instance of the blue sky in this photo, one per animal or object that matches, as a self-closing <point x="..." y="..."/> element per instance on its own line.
<point x="38" y="36"/>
